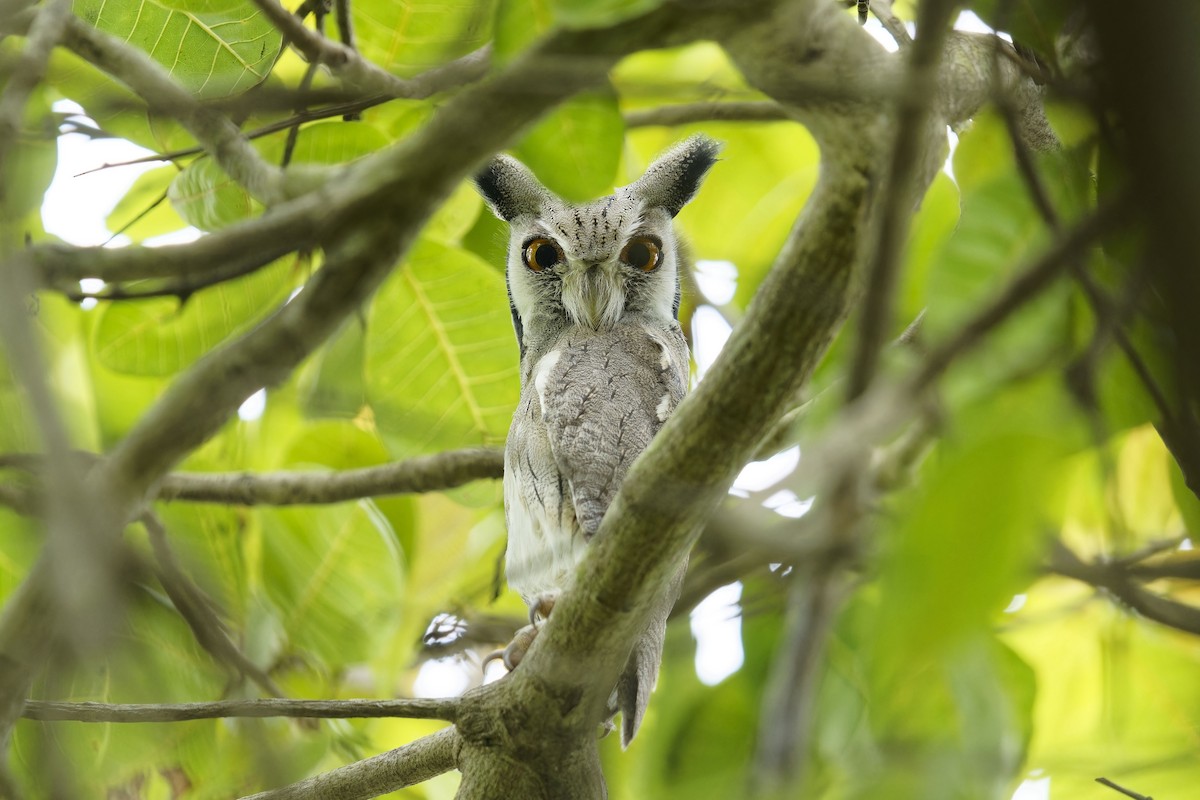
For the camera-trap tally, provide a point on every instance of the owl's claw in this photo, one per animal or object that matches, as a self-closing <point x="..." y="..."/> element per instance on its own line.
<point x="511" y="656"/>
<point x="542" y="607"/>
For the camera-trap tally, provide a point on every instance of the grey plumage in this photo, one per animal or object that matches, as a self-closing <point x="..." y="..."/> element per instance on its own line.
<point x="594" y="293"/>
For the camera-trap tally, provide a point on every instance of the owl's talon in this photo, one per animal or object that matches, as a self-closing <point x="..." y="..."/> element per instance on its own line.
<point x="511" y="656"/>
<point x="542" y="607"/>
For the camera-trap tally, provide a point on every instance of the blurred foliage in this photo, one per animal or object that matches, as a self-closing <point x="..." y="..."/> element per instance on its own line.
<point x="957" y="670"/>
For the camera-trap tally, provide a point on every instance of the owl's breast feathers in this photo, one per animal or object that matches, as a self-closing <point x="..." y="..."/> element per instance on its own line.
<point x="590" y="407"/>
<point x="606" y="395"/>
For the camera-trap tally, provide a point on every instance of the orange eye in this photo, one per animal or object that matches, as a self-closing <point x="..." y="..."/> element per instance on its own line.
<point x="643" y="252"/>
<point x="541" y="254"/>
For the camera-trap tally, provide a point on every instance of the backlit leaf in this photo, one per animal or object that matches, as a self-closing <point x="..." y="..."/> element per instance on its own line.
<point x="441" y="358"/>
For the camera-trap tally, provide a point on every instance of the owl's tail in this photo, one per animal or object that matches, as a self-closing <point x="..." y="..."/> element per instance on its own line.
<point x="641" y="671"/>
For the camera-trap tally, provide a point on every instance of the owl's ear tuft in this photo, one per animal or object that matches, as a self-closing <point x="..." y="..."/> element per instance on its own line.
<point x="509" y="188"/>
<point x="672" y="180"/>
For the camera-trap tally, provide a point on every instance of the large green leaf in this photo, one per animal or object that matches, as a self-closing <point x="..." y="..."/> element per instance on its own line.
<point x="213" y="47"/>
<point x="441" y="358"/>
<point x="574" y="150"/>
<point x="408" y="36"/>
<point x="158" y="336"/>
<point x="594" y="13"/>
<point x="772" y="166"/>
<point x="204" y="196"/>
<point x="143" y="212"/>
<point x="520" y="23"/>
<point x="335" y="575"/>
<point x="965" y="542"/>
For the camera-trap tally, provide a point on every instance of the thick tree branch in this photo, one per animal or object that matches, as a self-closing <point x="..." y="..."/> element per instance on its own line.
<point x="46" y="711"/>
<point x="421" y="474"/>
<point x="388" y="772"/>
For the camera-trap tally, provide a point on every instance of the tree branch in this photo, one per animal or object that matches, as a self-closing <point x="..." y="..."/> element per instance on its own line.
<point x="44" y="33"/>
<point x="686" y="113"/>
<point x="47" y="711"/>
<point x="432" y="473"/>
<point x="1118" y="582"/>
<point x="361" y="74"/>
<point x="916" y="131"/>
<point x="405" y="766"/>
<point x="198" y="612"/>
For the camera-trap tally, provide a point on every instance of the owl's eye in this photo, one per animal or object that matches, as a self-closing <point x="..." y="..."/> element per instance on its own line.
<point x="642" y="252"/>
<point x="542" y="254"/>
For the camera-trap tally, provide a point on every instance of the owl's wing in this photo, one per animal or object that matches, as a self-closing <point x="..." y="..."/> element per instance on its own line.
<point x="604" y="396"/>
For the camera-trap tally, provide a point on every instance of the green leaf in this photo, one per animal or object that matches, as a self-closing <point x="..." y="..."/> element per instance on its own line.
<point x="575" y="149"/>
<point x="931" y="228"/>
<point x="32" y="160"/>
<point x="1185" y="499"/>
<point x="334" y="142"/>
<point x="343" y="444"/>
<point x="214" y="48"/>
<point x="336" y="575"/>
<point x="596" y="13"/>
<point x="441" y="358"/>
<point x="455" y="217"/>
<point x="334" y="386"/>
<point x="966" y="540"/>
<point x="204" y="196"/>
<point x="774" y="165"/>
<point x="997" y="229"/>
<point x="520" y="23"/>
<point x="406" y="36"/>
<point x="159" y="337"/>
<point x="143" y="211"/>
<point x="1035" y="23"/>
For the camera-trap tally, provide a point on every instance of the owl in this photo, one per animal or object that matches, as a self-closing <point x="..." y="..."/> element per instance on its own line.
<point x="594" y="293"/>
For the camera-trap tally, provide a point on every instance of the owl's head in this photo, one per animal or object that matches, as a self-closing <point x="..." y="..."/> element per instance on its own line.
<point x="595" y="264"/>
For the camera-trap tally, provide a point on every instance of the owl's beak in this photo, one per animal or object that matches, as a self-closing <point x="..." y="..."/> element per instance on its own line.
<point x="594" y="296"/>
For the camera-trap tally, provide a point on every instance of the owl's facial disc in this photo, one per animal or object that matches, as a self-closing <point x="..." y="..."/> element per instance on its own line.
<point x="593" y="294"/>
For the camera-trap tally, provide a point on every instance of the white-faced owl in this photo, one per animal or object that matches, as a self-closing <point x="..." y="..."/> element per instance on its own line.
<point x="594" y="291"/>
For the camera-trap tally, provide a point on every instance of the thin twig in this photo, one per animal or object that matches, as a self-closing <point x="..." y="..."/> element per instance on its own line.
<point x="297" y="119"/>
<point x="686" y="113"/>
<point x="1029" y="283"/>
<point x="1117" y="581"/>
<point x="345" y="62"/>
<point x="345" y="23"/>
<point x="431" y="473"/>
<point x="306" y="80"/>
<point x="198" y="612"/>
<point x="1123" y="790"/>
<point x="916" y="98"/>
<point x="48" y="711"/>
<point x="1178" y="432"/>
